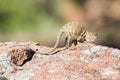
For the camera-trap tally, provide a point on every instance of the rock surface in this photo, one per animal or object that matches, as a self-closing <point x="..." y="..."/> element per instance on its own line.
<point x="85" y="62"/>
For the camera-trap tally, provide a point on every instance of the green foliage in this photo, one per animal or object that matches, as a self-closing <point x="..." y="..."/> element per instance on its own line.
<point x="13" y="14"/>
<point x="23" y="14"/>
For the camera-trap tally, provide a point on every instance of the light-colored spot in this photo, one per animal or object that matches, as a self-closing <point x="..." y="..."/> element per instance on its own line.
<point x="56" y="66"/>
<point x="86" y="52"/>
<point x="98" y="50"/>
<point x="116" y="52"/>
<point x="5" y="62"/>
<point x="23" y="75"/>
<point x="95" y="49"/>
<point x="108" y="73"/>
<point x="84" y="59"/>
<point x="65" y="57"/>
<point x="23" y="43"/>
<point x="94" y="60"/>
<point x="52" y="71"/>
<point x="10" y="43"/>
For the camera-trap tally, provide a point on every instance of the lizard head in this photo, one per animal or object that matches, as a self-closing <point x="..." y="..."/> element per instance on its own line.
<point x="87" y="37"/>
<point x="90" y="37"/>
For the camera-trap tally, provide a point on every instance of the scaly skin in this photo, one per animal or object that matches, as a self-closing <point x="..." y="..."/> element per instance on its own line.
<point x="73" y="29"/>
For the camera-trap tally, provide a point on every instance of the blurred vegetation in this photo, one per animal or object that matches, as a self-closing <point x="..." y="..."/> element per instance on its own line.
<point x="18" y="17"/>
<point x="40" y="20"/>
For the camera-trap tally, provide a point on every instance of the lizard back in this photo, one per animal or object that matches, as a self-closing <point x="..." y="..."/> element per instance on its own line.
<point x="74" y="28"/>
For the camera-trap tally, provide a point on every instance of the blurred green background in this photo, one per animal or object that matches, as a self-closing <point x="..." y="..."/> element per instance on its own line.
<point x="40" y="20"/>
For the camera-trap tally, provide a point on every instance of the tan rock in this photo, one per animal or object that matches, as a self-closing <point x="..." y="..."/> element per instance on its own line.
<point x="86" y="62"/>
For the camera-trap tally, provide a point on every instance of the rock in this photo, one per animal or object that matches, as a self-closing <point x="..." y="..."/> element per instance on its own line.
<point x="86" y="62"/>
<point x="19" y="54"/>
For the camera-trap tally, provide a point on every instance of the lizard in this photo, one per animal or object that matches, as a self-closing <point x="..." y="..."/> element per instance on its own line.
<point x="73" y="29"/>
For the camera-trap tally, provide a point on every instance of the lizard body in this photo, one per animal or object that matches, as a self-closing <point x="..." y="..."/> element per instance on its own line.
<point x="73" y="29"/>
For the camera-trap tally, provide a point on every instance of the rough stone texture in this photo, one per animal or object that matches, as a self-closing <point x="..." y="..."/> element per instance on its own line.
<point x="19" y="54"/>
<point x="14" y="53"/>
<point x="85" y="62"/>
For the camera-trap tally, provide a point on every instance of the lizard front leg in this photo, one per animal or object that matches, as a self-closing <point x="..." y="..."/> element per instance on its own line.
<point x="70" y="43"/>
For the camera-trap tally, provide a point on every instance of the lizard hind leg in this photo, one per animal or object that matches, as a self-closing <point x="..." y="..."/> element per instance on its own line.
<point x="68" y="41"/>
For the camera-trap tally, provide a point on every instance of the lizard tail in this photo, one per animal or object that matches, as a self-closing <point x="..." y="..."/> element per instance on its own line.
<point x="57" y="42"/>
